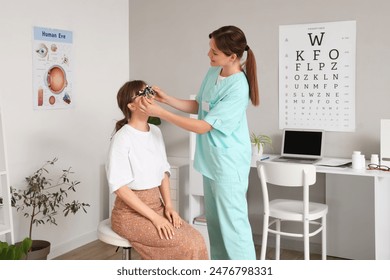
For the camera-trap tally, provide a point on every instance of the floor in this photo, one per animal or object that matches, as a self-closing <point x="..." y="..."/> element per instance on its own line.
<point x="98" y="250"/>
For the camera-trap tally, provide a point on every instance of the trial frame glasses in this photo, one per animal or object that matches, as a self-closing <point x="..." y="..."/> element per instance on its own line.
<point x="147" y="92"/>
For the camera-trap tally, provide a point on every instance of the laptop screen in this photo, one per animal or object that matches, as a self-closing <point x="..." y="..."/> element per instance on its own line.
<point x="303" y="143"/>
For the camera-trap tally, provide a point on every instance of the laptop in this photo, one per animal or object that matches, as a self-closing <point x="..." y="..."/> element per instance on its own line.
<point x="301" y="146"/>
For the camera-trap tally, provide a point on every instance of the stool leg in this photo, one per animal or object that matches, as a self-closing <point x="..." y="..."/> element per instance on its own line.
<point x="126" y="253"/>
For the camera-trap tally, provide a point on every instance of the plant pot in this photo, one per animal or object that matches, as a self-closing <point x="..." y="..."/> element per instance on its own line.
<point x="257" y="152"/>
<point x="39" y="251"/>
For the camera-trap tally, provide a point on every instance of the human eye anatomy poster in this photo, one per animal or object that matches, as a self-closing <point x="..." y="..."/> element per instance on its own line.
<point x="317" y="76"/>
<point x="52" y="68"/>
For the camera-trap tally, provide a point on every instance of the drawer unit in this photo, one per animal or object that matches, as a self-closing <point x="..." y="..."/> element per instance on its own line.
<point x="179" y="185"/>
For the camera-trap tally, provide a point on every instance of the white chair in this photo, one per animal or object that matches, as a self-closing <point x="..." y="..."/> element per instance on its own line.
<point x="107" y="235"/>
<point x="281" y="210"/>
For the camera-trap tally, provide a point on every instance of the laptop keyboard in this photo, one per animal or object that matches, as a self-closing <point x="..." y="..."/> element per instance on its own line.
<point x="295" y="159"/>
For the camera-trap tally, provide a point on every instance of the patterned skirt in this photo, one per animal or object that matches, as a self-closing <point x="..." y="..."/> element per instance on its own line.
<point x="186" y="244"/>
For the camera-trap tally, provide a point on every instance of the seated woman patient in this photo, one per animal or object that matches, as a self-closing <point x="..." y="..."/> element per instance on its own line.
<point x="138" y="173"/>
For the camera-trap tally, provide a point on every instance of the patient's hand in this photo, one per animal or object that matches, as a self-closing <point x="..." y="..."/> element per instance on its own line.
<point x="164" y="227"/>
<point x="173" y="217"/>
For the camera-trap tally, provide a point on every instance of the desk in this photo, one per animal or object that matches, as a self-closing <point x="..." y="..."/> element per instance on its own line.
<point x="358" y="221"/>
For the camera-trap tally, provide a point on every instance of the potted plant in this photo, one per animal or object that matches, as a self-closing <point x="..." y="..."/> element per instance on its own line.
<point x="15" y="252"/>
<point x="42" y="199"/>
<point x="154" y="120"/>
<point x="259" y="141"/>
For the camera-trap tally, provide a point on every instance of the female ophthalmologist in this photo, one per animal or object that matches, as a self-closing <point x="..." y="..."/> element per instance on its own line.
<point x="223" y="149"/>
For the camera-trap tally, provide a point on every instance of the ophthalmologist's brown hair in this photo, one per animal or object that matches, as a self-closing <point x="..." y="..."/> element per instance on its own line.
<point x="231" y="40"/>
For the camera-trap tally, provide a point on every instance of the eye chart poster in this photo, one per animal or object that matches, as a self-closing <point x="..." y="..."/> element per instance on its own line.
<point x="52" y="72"/>
<point x="317" y="76"/>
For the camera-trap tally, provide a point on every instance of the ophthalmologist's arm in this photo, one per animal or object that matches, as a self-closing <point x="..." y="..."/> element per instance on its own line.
<point x="190" y="124"/>
<point x="186" y="106"/>
<point x="194" y="125"/>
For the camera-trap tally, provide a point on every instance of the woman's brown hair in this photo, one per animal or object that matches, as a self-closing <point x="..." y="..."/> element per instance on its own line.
<point x="231" y="40"/>
<point x="126" y="95"/>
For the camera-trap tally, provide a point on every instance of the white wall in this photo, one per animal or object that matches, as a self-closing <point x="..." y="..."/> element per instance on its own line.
<point x="79" y="137"/>
<point x="169" y="44"/>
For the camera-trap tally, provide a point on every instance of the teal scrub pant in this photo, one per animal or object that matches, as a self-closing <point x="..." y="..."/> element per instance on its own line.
<point x="228" y="225"/>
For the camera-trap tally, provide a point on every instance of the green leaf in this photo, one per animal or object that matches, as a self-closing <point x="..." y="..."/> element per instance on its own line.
<point x="41" y="200"/>
<point x="154" y="120"/>
<point x="14" y="252"/>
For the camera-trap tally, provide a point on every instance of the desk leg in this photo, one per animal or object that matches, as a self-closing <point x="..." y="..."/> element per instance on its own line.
<point x="382" y="218"/>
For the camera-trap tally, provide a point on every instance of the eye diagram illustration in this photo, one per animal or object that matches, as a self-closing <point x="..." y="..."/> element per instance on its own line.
<point x="40" y="97"/>
<point x="52" y="68"/>
<point x="52" y="100"/>
<point x="53" y="47"/>
<point x="56" y="79"/>
<point x="42" y="50"/>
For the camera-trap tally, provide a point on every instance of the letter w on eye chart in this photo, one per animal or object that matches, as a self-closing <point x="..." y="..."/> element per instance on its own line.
<point x="317" y="76"/>
<point x="52" y="71"/>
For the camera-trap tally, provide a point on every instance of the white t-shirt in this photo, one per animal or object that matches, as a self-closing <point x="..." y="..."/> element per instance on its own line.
<point x="136" y="158"/>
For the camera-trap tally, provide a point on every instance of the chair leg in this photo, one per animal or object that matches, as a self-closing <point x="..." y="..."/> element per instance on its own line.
<point x="324" y="238"/>
<point x="126" y="253"/>
<point x="277" y="240"/>
<point x="306" y="239"/>
<point x="264" y="237"/>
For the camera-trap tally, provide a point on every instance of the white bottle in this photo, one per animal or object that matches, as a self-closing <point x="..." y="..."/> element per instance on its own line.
<point x="374" y="159"/>
<point x="357" y="162"/>
<point x="362" y="162"/>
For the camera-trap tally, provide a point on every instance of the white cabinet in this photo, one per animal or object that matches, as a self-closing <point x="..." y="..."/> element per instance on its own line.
<point x="187" y="193"/>
<point x="179" y="185"/>
<point x="196" y="204"/>
<point x="196" y="213"/>
<point x="6" y="226"/>
<point x="196" y="197"/>
<point x="358" y="223"/>
<point x="351" y="217"/>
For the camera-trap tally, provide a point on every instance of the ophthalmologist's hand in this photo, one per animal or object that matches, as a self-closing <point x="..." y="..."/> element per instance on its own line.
<point x="160" y="96"/>
<point x="150" y="107"/>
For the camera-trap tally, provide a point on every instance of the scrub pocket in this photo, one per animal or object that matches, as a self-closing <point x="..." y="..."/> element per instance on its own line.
<point x="230" y="164"/>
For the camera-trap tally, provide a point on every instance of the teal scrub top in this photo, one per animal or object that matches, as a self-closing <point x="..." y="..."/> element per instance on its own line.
<point x="224" y="153"/>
